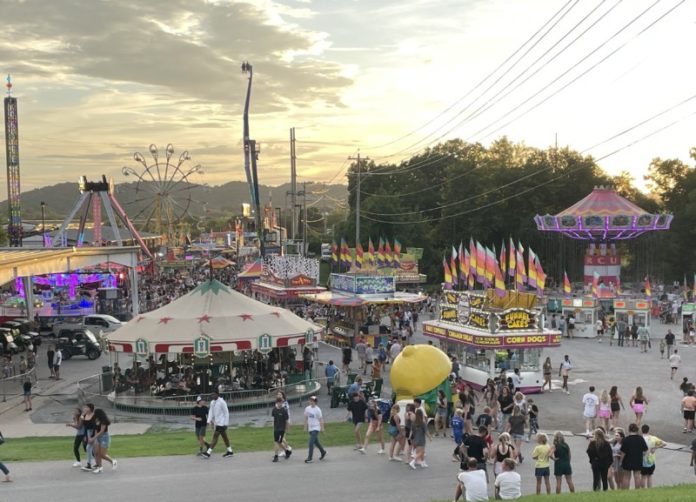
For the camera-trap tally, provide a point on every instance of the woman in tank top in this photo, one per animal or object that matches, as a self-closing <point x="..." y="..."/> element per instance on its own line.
<point x="616" y="404"/>
<point x="638" y="404"/>
<point x="502" y="451"/>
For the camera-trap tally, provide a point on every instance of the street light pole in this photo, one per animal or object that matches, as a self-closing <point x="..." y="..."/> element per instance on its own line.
<point x="43" y="223"/>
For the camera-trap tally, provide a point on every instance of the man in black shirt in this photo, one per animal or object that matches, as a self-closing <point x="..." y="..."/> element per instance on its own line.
<point x="357" y="409"/>
<point x="669" y="341"/>
<point x="280" y="423"/>
<point x="477" y="448"/>
<point x="199" y="415"/>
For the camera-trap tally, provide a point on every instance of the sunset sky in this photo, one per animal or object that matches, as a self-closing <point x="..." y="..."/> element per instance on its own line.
<point x="100" y="80"/>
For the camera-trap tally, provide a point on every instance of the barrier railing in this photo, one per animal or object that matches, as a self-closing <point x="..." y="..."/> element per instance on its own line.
<point x="13" y="385"/>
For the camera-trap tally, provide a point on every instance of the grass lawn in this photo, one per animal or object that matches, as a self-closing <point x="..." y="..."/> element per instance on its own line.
<point x="152" y="444"/>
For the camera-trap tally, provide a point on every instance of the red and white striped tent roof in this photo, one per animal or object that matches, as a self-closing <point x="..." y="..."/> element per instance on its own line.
<point x="602" y="202"/>
<point x="228" y="319"/>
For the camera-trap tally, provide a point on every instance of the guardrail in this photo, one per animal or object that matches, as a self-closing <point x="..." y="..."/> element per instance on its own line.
<point x="13" y="385"/>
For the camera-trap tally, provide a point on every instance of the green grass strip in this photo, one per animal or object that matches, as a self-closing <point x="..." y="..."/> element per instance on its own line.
<point x="152" y="444"/>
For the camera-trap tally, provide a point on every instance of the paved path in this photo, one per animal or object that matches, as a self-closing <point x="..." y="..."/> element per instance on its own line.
<point x="345" y="475"/>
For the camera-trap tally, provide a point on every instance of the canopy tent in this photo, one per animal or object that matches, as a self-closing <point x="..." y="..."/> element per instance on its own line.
<point x="343" y="300"/>
<point x="213" y="318"/>
<point x="219" y="262"/>
<point x="252" y="271"/>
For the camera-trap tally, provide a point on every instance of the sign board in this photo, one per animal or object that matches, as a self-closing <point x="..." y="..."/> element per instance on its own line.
<point x="416" y="252"/>
<point x="265" y="344"/>
<point x="482" y="341"/>
<point x="142" y="347"/>
<point x="517" y="319"/>
<point x="201" y="347"/>
<point x="342" y="282"/>
<point x="449" y="314"/>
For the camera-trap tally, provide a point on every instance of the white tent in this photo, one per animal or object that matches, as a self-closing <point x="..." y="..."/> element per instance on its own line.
<point x="213" y="318"/>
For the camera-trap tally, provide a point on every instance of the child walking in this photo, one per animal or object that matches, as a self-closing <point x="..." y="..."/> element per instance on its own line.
<point x="533" y="413"/>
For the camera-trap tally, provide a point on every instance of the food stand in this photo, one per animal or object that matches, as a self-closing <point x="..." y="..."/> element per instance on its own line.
<point x="585" y="311"/>
<point x="284" y="279"/>
<point x="628" y="311"/>
<point x="488" y="333"/>
<point x="688" y="316"/>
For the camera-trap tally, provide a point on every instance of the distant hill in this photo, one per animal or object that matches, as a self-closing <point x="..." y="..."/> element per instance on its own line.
<point x="222" y="200"/>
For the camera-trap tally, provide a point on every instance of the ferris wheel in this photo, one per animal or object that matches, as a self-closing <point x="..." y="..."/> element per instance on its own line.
<point x="163" y="193"/>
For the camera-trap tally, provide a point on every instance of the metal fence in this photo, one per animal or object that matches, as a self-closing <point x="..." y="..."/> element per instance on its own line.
<point x="13" y="385"/>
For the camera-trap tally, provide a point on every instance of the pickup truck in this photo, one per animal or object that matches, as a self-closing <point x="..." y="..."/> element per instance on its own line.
<point x="96" y="322"/>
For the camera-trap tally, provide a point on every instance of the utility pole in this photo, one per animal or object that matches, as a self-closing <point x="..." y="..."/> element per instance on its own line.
<point x="357" y="198"/>
<point x="305" y="241"/>
<point x="293" y="182"/>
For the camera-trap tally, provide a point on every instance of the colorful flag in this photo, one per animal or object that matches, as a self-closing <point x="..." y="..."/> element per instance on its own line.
<point x="370" y="257"/>
<point x="567" y="288"/>
<point x="334" y="252"/>
<point x="520" y="261"/>
<point x="595" y="284"/>
<point x="472" y="260"/>
<point x="345" y="250"/>
<point x="648" y="290"/>
<point x="541" y="278"/>
<point x="499" y="281"/>
<point x="531" y="268"/>
<point x="512" y="266"/>
<point x="380" y="253"/>
<point x="387" y="254"/>
<point x="503" y="259"/>
<point x="397" y="254"/>
<point x="490" y="267"/>
<point x="359" y="256"/>
<point x="694" y="288"/>
<point x="463" y="264"/>
<point x="447" y="273"/>
<point x="453" y="266"/>
<point x="618" y="285"/>
<point x="467" y="261"/>
<point x="480" y="263"/>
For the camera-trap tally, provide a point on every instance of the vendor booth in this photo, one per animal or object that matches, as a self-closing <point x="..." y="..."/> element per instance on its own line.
<point x="489" y="334"/>
<point x="363" y="303"/>
<point x="688" y="311"/>
<point x="211" y="338"/>
<point x="586" y="311"/>
<point x="285" y="278"/>
<point x="630" y="311"/>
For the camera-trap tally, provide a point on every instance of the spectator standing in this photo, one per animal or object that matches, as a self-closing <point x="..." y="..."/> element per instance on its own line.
<point x="542" y="454"/>
<point x="57" y="361"/>
<point x="653" y="443"/>
<point x="330" y="372"/>
<point x="560" y="453"/>
<point x="688" y="404"/>
<point x="633" y="447"/>
<point x="361" y="349"/>
<point x="601" y="457"/>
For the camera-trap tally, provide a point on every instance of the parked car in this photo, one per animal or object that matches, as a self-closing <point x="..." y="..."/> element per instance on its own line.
<point x="79" y="342"/>
<point x="95" y="322"/>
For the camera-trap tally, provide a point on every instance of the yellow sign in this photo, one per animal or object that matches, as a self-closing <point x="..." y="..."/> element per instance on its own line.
<point x="451" y="297"/>
<point x="448" y="314"/>
<point x="517" y="319"/>
<point x="478" y="320"/>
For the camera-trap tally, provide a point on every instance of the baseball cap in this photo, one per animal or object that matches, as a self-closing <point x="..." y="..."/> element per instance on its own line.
<point x="312" y="398"/>
<point x="199" y="399"/>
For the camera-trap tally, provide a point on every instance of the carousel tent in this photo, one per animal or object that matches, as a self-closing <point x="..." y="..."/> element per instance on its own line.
<point x="212" y="318"/>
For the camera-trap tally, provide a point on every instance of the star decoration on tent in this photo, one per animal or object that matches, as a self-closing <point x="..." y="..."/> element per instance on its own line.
<point x="245" y="317"/>
<point x="165" y="320"/>
<point x="204" y="318"/>
<point x="213" y="286"/>
<point x="140" y="318"/>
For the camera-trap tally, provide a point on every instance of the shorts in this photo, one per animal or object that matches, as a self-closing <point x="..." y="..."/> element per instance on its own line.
<point x="56" y="367"/>
<point x="564" y="470"/>
<point x="220" y="429"/>
<point x="278" y="436"/>
<point x="104" y="440"/>
<point x="542" y="472"/>
<point x="638" y="408"/>
<point x="518" y="437"/>
<point x="442" y="412"/>
<point x="647" y="471"/>
<point x="689" y="414"/>
<point x="27" y="393"/>
<point x="604" y="413"/>
<point x="200" y="431"/>
<point x="358" y="424"/>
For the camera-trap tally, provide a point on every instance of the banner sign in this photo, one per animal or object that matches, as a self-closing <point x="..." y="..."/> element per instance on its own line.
<point x="517" y="319"/>
<point x="488" y="341"/>
<point x="369" y="285"/>
<point x="449" y="314"/>
<point x="342" y="282"/>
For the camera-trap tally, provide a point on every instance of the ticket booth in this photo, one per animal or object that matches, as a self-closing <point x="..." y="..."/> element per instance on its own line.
<point x="586" y="313"/>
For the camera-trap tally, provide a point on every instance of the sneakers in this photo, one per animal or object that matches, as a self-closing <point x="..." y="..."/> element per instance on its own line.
<point x="288" y="452"/>
<point x="87" y="468"/>
<point x="357" y="447"/>
<point x="424" y="465"/>
<point x="323" y="454"/>
<point x="228" y="454"/>
<point x="381" y="452"/>
<point x="412" y="464"/>
<point x="275" y="458"/>
<point x="97" y="470"/>
<point x="114" y="465"/>
<point x="79" y="464"/>
<point x="308" y="461"/>
<point x="361" y="450"/>
<point x="455" y="458"/>
<point x="205" y="454"/>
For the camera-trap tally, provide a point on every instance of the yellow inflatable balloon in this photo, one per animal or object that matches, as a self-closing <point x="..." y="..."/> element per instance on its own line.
<point x="418" y="369"/>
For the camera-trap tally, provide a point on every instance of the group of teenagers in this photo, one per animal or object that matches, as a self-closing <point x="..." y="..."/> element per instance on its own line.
<point x="91" y="436"/>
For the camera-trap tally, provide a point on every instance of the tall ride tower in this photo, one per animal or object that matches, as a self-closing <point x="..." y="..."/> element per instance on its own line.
<point x="14" y="228"/>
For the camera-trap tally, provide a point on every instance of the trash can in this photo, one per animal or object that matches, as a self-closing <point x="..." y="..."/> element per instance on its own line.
<point x="107" y="383"/>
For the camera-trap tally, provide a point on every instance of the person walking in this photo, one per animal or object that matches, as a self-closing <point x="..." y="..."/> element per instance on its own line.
<point x="601" y="457"/>
<point x="547" y="368"/>
<point x="669" y="342"/>
<point x="517" y="422"/>
<point x="648" y="468"/>
<point x="604" y="412"/>
<point x="396" y="445"/>
<point x="361" y="349"/>
<point x="288" y="449"/>
<point x="50" y="355"/>
<point x="79" y="440"/>
<point x="419" y="436"/>
<point x="199" y="415"/>
<point x="674" y="363"/>
<point x="638" y="404"/>
<point x="633" y="447"/>
<point x="57" y="361"/>
<point x="314" y="424"/>
<point x="560" y="453"/>
<point x="441" y="413"/>
<point x="357" y="411"/>
<point x="330" y="372"/>
<point x="26" y="389"/>
<point x="219" y="419"/>
<point x="503" y="451"/>
<point x="571" y="326"/>
<point x="564" y="371"/>
<point x="590" y="403"/>
<point x="89" y="423"/>
<point x="102" y="441"/>
<point x="3" y="467"/>
<point x="644" y="337"/>
<point x="616" y="406"/>
<point x="688" y="404"/>
<point x="280" y="421"/>
<point x="374" y="421"/>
